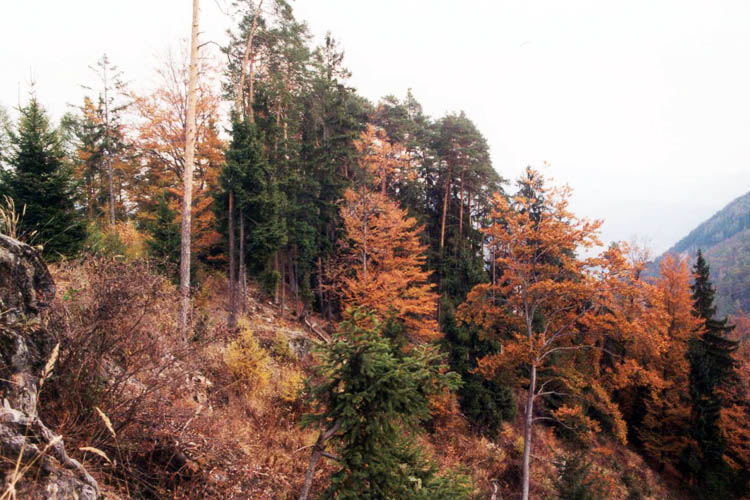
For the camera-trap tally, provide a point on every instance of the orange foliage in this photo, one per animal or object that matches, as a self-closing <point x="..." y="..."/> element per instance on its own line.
<point x="383" y="161"/>
<point x="668" y="404"/>
<point x="160" y="142"/>
<point x="386" y="260"/>
<point x="545" y="298"/>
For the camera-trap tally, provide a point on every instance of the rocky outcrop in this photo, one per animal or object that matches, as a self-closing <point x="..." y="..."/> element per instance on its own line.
<point x="46" y="471"/>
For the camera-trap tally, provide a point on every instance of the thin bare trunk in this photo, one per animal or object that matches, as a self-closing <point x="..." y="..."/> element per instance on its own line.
<point x="107" y="150"/>
<point x="232" y="320"/>
<point x="445" y="212"/>
<point x="276" y="268"/>
<point x="243" y="271"/>
<point x="317" y="453"/>
<point x="320" y="283"/>
<point x="461" y="211"/>
<point x="527" y="424"/>
<point x="284" y="274"/>
<point x="187" y="200"/>
<point x="246" y="58"/>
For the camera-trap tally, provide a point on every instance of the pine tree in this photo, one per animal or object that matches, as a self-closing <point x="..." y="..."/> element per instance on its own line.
<point x="712" y="367"/>
<point x="40" y="180"/>
<point x="370" y="403"/>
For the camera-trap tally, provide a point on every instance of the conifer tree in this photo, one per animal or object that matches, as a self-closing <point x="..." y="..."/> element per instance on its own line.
<point x="40" y="180"/>
<point x="164" y="244"/>
<point x="712" y="367"/>
<point x="372" y="399"/>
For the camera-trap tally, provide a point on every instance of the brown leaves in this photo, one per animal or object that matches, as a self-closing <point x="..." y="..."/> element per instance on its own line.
<point x="385" y="259"/>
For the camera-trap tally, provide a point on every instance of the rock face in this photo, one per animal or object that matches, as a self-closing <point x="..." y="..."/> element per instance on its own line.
<point x="26" y="286"/>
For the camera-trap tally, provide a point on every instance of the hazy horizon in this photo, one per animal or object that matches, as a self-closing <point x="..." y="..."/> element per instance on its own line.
<point x="641" y="108"/>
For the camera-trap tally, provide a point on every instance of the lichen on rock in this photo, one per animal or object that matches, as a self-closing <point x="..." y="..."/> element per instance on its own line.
<point x="26" y="286"/>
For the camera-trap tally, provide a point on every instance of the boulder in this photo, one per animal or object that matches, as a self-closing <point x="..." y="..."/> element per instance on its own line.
<point x="26" y="286"/>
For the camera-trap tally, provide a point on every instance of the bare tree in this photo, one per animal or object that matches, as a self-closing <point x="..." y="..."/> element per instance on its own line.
<point x="187" y="199"/>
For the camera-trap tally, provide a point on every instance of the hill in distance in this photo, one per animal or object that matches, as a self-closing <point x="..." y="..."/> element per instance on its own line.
<point x="724" y="240"/>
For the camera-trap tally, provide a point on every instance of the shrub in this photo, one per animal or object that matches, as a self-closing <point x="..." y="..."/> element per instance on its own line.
<point x="247" y="360"/>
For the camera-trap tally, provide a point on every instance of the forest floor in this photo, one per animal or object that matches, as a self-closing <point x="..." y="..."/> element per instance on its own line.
<point x="221" y="418"/>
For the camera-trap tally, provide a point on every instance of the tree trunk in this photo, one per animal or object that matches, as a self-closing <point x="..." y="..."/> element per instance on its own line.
<point x="232" y="320"/>
<point x="276" y="268"/>
<point x="243" y="271"/>
<point x="320" y="283"/>
<point x="461" y="211"/>
<point x="187" y="200"/>
<point x="246" y="58"/>
<point x="364" y="233"/>
<point x="445" y="212"/>
<point x="317" y="454"/>
<point x="107" y="151"/>
<point x="527" y="424"/>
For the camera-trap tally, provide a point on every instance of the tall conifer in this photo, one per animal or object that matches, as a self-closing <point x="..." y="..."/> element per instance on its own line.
<point x="712" y="367"/>
<point x="40" y="180"/>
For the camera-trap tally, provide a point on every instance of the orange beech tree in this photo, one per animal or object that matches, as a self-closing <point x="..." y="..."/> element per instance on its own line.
<point x="160" y="142"/>
<point x="539" y="306"/>
<point x="384" y="259"/>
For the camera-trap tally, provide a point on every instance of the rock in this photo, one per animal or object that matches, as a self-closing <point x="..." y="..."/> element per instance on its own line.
<point x="26" y="286"/>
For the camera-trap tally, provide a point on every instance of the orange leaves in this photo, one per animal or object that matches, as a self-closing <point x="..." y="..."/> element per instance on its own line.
<point x="383" y="161"/>
<point x="160" y="141"/>
<point x="385" y="262"/>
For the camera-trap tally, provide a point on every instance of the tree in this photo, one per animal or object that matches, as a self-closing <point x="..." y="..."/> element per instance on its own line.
<point x="164" y="243"/>
<point x="40" y="181"/>
<point x="540" y="304"/>
<point x="712" y="369"/>
<point x="187" y="182"/>
<point x="159" y="143"/>
<point x="664" y="429"/>
<point x="386" y="262"/>
<point x="371" y="399"/>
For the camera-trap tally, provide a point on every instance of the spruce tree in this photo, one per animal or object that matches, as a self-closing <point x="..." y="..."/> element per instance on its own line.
<point x="370" y="403"/>
<point x="164" y="244"/>
<point x="712" y="368"/>
<point x="40" y="180"/>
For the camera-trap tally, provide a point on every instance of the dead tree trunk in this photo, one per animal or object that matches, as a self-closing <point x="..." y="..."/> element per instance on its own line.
<point x="243" y="271"/>
<point x="317" y="453"/>
<point x="187" y="199"/>
<point x="232" y="320"/>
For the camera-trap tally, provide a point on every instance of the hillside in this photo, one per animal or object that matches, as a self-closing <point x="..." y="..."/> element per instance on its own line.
<point x="725" y="241"/>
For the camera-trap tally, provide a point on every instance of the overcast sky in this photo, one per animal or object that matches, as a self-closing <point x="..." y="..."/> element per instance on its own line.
<point x="643" y="107"/>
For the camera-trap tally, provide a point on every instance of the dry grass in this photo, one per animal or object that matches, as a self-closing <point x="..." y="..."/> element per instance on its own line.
<point x="197" y="422"/>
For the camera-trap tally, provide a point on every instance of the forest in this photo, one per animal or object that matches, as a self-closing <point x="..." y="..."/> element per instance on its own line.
<point x="270" y="287"/>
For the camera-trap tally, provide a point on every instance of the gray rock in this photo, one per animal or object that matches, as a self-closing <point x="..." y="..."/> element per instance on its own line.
<point x="26" y="286"/>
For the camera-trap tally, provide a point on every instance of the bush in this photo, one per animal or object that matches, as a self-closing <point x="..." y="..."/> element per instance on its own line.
<point x="247" y="360"/>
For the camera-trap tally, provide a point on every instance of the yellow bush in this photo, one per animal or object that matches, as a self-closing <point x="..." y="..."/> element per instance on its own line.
<point x="291" y="384"/>
<point x="247" y="360"/>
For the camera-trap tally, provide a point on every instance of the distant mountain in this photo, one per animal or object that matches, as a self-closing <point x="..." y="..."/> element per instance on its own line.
<point x="725" y="242"/>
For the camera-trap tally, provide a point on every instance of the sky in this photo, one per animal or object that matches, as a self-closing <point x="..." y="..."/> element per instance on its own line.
<point x="642" y="107"/>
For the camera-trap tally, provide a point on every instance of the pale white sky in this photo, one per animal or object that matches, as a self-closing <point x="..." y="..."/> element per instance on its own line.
<point x="643" y="107"/>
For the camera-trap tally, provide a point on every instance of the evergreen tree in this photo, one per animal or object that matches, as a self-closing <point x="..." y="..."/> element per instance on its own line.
<point x="40" y="180"/>
<point x="712" y="368"/>
<point x="576" y="480"/>
<point x="164" y="244"/>
<point x="371" y="402"/>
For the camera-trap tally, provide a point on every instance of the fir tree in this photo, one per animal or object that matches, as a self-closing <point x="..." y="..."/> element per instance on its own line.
<point x="712" y="367"/>
<point x="373" y="398"/>
<point x="40" y="180"/>
<point x="164" y="244"/>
